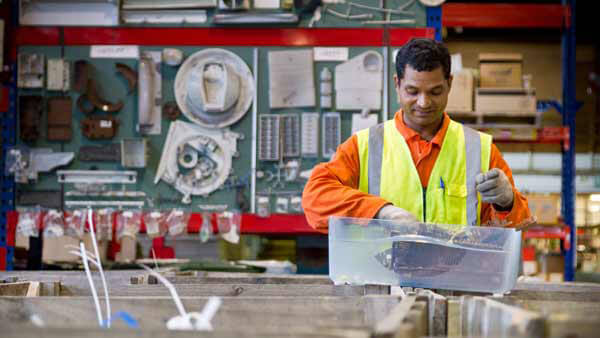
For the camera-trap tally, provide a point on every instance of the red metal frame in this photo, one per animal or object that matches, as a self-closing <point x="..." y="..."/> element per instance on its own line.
<point x="546" y="135"/>
<point x="157" y="36"/>
<point x="505" y="15"/>
<point x="2" y="258"/>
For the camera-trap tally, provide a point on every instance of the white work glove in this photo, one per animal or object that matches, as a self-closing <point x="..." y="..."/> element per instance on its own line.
<point x="392" y="213"/>
<point x="495" y="188"/>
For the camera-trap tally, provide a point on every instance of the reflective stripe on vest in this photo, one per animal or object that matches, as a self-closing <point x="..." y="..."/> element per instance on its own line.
<point x="387" y="170"/>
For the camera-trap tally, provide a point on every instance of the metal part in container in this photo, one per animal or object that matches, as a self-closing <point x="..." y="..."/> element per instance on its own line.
<point x="331" y="133"/>
<point x="97" y="176"/>
<point x="291" y="135"/>
<point x="134" y="152"/>
<point x="310" y="135"/>
<point x="31" y="70"/>
<point x="268" y="137"/>
<point x="25" y="164"/>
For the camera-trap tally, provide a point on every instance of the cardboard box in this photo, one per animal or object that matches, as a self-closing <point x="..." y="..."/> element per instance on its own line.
<point x="506" y="101"/>
<point x="55" y="251"/>
<point x="460" y="99"/>
<point x="530" y="268"/>
<point x="552" y="264"/>
<point x="128" y="250"/>
<point x="22" y="241"/>
<point x="501" y="70"/>
<point x="546" y="208"/>
<point x="102" y="246"/>
<point x="556" y="277"/>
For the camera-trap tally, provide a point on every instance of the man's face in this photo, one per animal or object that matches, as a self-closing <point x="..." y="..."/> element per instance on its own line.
<point x="423" y="96"/>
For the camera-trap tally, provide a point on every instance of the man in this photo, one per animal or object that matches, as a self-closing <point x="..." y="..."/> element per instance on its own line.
<point x="419" y="166"/>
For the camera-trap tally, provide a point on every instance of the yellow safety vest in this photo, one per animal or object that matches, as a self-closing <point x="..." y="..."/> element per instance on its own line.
<point x="387" y="170"/>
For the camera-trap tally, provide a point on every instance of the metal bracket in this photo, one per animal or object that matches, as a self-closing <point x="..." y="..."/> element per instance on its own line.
<point x="26" y="163"/>
<point x="97" y="176"/>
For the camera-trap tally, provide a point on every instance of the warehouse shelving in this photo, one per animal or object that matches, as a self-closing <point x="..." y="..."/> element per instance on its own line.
<point x="449" y="15"/>
<point x="539" y="16"/>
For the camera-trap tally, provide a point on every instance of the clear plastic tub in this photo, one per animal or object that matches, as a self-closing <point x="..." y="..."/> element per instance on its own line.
<point x="433" y="256"/>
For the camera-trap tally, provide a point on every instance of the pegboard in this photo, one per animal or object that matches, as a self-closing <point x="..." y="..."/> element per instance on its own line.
<point x="113" y="87"/>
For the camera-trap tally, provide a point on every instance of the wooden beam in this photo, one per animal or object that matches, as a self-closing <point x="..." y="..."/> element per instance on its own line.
<point x="14" y="289"/>
<point x="203" y="277"/>
<point x="33" y="290"/>
<point x="239" y="314"/>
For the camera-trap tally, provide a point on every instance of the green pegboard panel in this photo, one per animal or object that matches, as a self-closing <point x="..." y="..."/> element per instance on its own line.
<point x="162" y="195"/>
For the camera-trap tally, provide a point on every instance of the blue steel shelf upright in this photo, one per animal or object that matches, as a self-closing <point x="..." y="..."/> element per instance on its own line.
<point x="8" y="124"/>
<point x="569" y="110"/>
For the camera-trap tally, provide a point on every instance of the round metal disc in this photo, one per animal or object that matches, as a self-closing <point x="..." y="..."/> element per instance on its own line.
<point x="231" y="115"/>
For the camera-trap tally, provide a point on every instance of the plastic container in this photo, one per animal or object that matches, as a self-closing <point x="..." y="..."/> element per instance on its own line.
<point x="433" y="256"/>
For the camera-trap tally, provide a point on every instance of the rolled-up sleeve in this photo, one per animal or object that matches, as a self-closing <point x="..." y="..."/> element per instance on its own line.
<point x="332" y="189"/>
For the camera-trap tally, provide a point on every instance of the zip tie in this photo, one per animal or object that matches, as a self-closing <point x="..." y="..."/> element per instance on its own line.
<point x="98" y="260"/>
<point x="211" y="308"/>
<point x="170" y="287"/>
<point x="192" y="320"/>
<point x="89" y="277"/>
<point x="78" y="254"/>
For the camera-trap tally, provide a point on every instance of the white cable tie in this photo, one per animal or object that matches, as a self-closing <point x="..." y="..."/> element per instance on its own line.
<point x="99" y="261"/>
<point x="76" y="249"/>
<point x="92" y="287"/>
<point x="78" y="254"/>
<point x="211" y="308"/>
<point x="170" y="287"/>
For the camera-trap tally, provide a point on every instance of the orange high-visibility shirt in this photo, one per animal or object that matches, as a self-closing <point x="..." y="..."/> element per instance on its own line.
<point x="332" y="189"/>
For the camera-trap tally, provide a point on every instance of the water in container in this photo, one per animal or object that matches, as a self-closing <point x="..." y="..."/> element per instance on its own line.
<point x="434" y="256"/>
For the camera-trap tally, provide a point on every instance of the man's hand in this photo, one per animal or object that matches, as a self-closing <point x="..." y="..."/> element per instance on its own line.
<point x="495" y="188"/>
<point x="392" y="213"/>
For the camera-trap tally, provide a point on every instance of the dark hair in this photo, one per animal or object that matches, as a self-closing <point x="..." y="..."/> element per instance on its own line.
<point x="423" y="55"/>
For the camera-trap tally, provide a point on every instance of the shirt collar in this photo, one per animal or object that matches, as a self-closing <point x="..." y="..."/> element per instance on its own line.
<point x="410" y="134"/>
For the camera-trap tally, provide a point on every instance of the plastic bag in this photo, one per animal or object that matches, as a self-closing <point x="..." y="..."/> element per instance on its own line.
<point x="54" y="224"/>
<point x="155" y="224"/>
<point x="29" y="223"/>
<point x="177" y="222"/>
<point x="263" y="206"/>
<point x="128" y="223"/>
<point x="229" y="224"/>
<point x="103" y="219"/>
<point x="206" y="227"/>
<point x="75" y="223"/>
